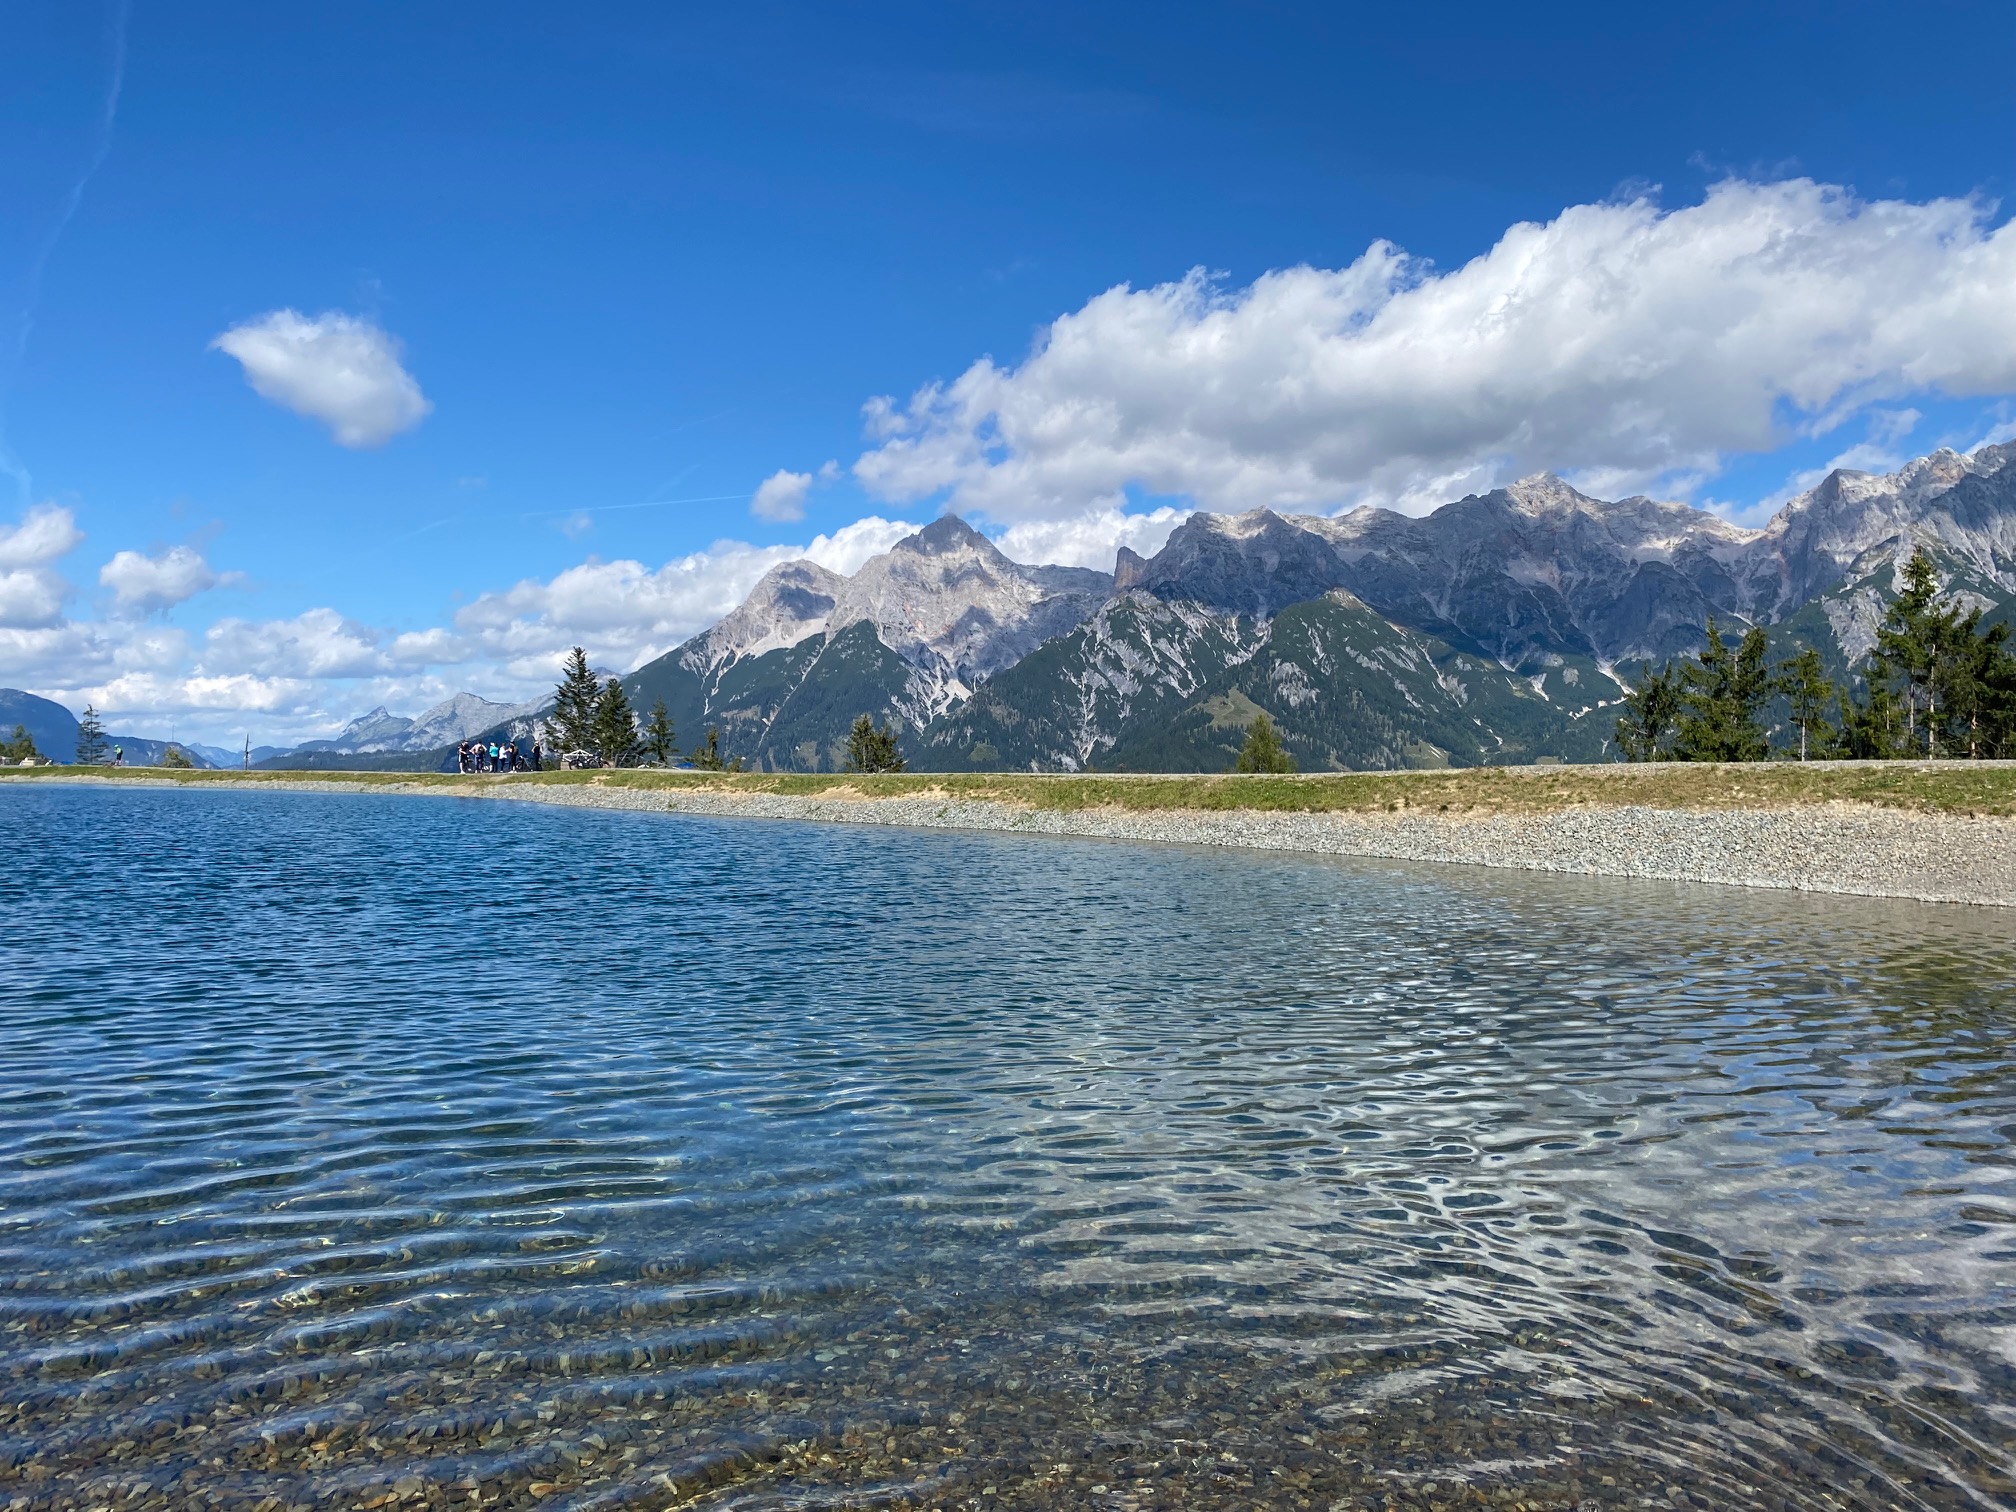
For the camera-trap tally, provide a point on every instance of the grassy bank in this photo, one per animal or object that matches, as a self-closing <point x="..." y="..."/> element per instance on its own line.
<point x="1962" y="788"/>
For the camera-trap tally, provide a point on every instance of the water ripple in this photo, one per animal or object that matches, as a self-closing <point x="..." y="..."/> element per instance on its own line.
<point x="366" y="1152"/>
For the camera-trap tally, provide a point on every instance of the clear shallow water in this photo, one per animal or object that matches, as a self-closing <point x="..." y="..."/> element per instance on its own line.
<point x="361" y="1151"/>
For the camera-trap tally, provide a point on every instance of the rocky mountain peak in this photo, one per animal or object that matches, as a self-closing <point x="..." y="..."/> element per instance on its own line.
<point x="790" y="602"/>
<point x="1249" y="525"/>
<point x="1812" y="542"/>
<point x="1544" y="493"/>
<point x="379" y="724"/>
<point x="948" y="594"/>
<point x="946" y="535"/>
<point x="1255" y="563"/>
<point x="1128" y="567"/>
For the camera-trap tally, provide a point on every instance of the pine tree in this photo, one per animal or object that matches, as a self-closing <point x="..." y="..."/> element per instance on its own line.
<point x="1873" y="731"/>
<point x="1809" y="691"/>
<point x="1911" y="644"/>
<point x="572" y="721"/>
<point x="1262" y="751"/>
<point x="1973" y="678"/>
<point x="1652" y="713"/>
<point x="613" y="727"/>
<point x="1939" y="682"/>
<point x="91" y="747"/>
<point x="1721" y="695"/>
<point x="1992" y="711"/>
<point x="873" y="750"/>
<point x="658" y="737"/>
<point x="21" y="747"/>
<point x="707" y="756"/>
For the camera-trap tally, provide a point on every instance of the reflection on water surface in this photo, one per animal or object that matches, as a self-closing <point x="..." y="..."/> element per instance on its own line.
<point x="371" y="1152"/>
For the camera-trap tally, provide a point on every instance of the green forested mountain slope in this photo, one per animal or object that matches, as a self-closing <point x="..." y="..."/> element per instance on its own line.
<point x="1136" y="663"/>
<point x="1149" y="685"/>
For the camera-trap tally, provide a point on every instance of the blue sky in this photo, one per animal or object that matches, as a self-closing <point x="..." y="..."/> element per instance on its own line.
<point x="567" y="288"/>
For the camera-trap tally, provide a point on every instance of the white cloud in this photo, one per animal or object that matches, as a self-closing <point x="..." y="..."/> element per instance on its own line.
<point x="1090" y="540"/>
<point x="31" y="597"/>
<point x="626" y="613"/>
<point x="45" y="533"/>
<point x="303" y="676"/>
<point x="340" y="369"/>
<point x="781" y="496"/>
<point x="1620" y="339"/>
<point x="144" y="584"/>
<point x="32" y="593"/>
<point x="424" y="648"/>
<point x="68" y="655"/>
<point x="317" y="643"/>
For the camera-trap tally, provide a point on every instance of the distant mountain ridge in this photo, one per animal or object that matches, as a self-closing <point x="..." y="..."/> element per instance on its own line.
<point x="1506" y="617"/>
<point x="1497" y="628"/>
<point x="456" y="719"/>
<point x="54" y="730"/>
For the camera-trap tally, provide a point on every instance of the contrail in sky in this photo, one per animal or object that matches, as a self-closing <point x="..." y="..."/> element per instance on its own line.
<point x="32" y="283"/>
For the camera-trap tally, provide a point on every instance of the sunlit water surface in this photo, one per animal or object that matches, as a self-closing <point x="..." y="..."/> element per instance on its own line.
<point x="368" y="1151"/>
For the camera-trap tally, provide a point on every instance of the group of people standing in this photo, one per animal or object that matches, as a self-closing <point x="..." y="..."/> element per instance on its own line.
<point x="475" y="756"/>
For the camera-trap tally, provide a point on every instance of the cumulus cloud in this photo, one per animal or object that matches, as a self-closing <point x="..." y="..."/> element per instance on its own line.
<point x="316" y="643"/>
<point x="305" y="675"/>
<point x="144" y="584"/>
<point x="625" y="613"/>
<point x="32" y="593"/>
<point x="1622" y="340"/>
<point x="31" y="597"/>
<point x="69" y="655"/>
<point x="781" y="496"/>
<point x="1090" y="540"/>
<point x="45" y="533"/>
<point x="340" y="369"/>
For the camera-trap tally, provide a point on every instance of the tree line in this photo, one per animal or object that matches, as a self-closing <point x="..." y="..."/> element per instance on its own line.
<point x="594" y="716"/>
<point x="1938" y="684"/>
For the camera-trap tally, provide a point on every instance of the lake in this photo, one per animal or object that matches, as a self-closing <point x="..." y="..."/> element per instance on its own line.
<point x="371" y="1151"/>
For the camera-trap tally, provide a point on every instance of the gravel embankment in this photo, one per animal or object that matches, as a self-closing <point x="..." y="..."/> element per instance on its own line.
<point x="1837" y="848"/>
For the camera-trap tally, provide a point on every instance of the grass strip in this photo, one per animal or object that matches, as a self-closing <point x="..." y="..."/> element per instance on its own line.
<point x="1981" y="789"/>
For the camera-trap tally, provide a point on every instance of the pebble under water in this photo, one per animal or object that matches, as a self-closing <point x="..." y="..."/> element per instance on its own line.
<point x="379" y="1152"/>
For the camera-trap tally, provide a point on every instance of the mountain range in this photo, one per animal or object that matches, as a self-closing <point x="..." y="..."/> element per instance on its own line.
<point x="457" y="719"/>
<point x="1498" y="628"/>
<point x="54" y="731"/>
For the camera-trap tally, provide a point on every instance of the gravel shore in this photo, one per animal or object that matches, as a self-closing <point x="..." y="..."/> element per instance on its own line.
<point x="1836" y="848"/>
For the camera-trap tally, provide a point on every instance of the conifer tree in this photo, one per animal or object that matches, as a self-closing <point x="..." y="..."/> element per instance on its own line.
<point x="1911" y="645"/>
<point x="1721" y="695"/>
<point x="707" y="756"/>
<point x="658" y="737"/>
<point x="1874" y="730"/>
<point x="1809" y="691"/>
<point x="873" y="750"/>
<point x="91" y="747"/>
<point x="1262" y="750"/>
<point x="1651" y="715"/>
<point x="613" y="727"/>
<point x="572" y="721"/>
<point x="1990" y="695"/>
<point x="20" y="748"/>
<point x="1940" y="683"/>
